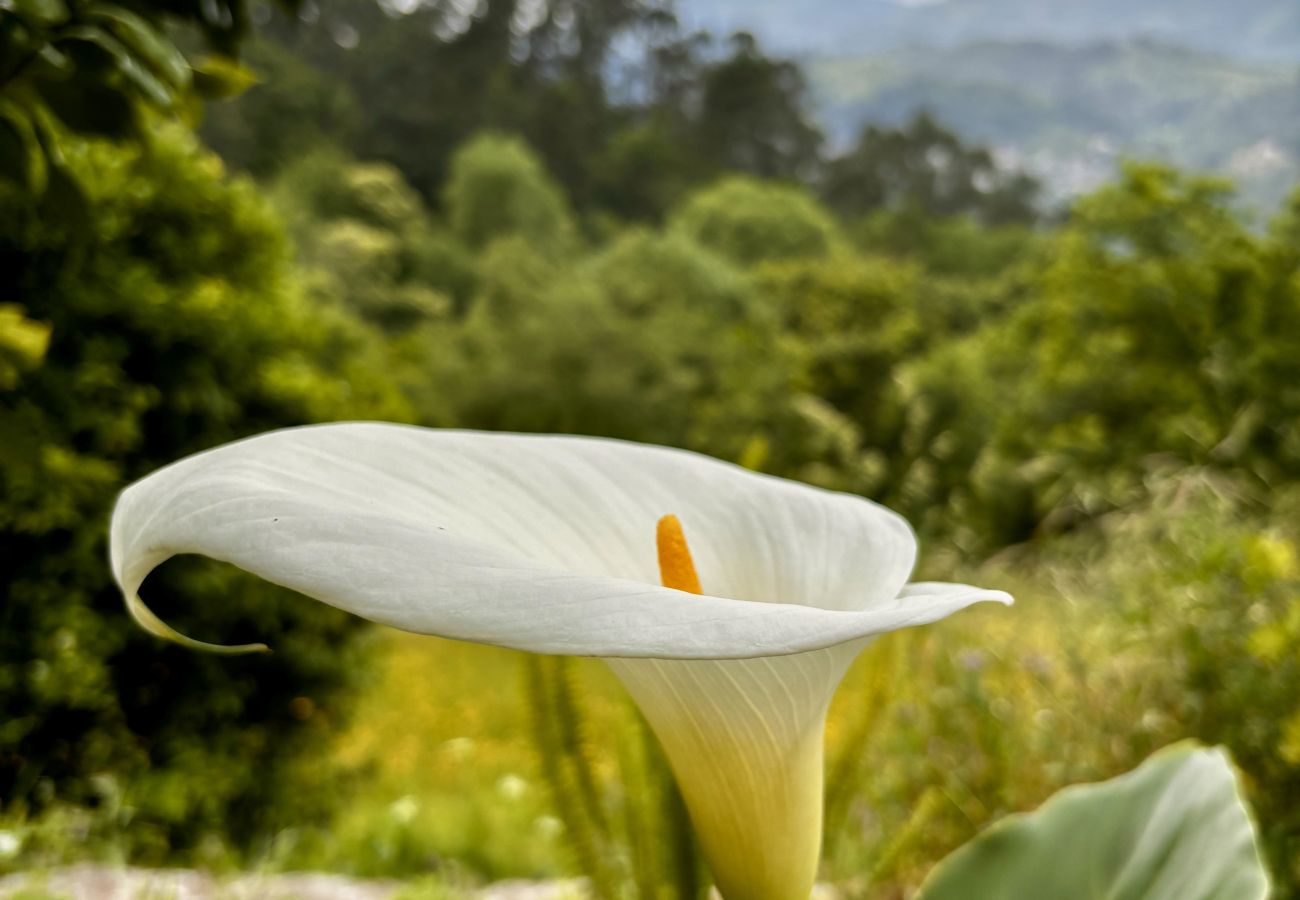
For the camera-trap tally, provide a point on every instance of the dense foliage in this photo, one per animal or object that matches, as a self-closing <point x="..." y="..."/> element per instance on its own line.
<point x="98" y="69"/>
<point x="167" y="323"/>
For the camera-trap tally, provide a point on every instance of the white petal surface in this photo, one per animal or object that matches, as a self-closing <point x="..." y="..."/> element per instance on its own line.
<point x="535" y="542"/>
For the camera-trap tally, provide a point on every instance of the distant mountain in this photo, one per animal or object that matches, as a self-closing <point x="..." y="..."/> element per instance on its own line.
<point x="1064" y="87"/>
<point x="1068" y="113"/>
<point x="1258" y="30"/>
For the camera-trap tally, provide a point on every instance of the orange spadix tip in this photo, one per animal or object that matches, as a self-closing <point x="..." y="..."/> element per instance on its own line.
<point x="676" y="568"/>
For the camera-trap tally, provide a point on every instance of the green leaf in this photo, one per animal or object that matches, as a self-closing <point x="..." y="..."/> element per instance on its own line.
<point x="220" y="77"/>
<point x="23" y="343"/>
<point x="1175" y="828"/>
<point x="53" y="60"/>
<point x="22" y="159"/>
<point x="158" y="53"/>
<point x="153" y="90"/>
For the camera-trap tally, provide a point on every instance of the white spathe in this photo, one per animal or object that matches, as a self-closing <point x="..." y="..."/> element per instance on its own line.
<point x="547" y="543"/>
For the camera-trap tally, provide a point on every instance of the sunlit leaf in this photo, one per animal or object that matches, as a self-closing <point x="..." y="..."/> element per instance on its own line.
<point x="1175" y="828"/>
<point x="145" y="41"/>
<point x="220" y="77"/>
<point x="125" y="61"/>
<point x="53" y="59"/>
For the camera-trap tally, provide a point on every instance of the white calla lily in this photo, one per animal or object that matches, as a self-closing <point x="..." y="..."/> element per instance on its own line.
<point x="548" y="544"/>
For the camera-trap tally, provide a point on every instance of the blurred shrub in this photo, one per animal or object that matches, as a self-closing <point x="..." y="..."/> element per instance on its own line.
<point x="497" y="187"/>
<point x="851" y="320"/>
<point x="174" y="324"/>
<point x="1176" y="618"/>
<point x="287" y="111"/>
<point x="1161" y="331"/>
<point x="365" y="241"/>
<point x="1206" y="578"/>
<point x="22" y="344"/>
<point x="954" y="245"/>
<point x="653" y="339"/>
<point x="750" y="221"/>
<point x="103" y="71"/>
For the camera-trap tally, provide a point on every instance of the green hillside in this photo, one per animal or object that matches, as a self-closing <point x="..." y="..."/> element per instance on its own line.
<point x="1070" y="113"/>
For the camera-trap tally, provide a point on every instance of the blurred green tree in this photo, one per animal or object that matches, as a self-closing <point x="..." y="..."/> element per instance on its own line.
<point x="925" y="167"/>
<point x="753" y="115"/>
<point x="293" y="110"/>
<point x="1161" y="329"/>
<point x="625" y="109"/>
<point x="497" y="188"/>
<point x="653" y="339"/>
<point x="751" y="221"/>
<point x="645" y="169"/>
<point x="429" y="77"/>
<point x="173" y="324"/>
<point x="366" y="241"/>
<point x="853" y="321"/>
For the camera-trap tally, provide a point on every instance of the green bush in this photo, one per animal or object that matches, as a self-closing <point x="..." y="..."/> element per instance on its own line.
<point x="174" y="324"/>
<point x="653" y="339"/>
<point x="852" y="321"/>
<point x="497" y="188"/>
<point x="1159" y="330"/>
<point x="751" y="221"/>
<point x="365" y="241"/>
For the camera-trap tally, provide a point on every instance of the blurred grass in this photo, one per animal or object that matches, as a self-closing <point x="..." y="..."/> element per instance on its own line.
<point x="437" y="769"/>
<point x="939" y="731"/>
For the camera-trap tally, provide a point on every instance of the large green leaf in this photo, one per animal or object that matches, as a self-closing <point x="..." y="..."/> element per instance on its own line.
<point x="1175" y="828"/>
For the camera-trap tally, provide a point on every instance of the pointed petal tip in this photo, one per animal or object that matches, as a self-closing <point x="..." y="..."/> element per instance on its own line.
<point x="156" y="626"/>
<point x="996" y="596"/>
<point x="962" y="592"/>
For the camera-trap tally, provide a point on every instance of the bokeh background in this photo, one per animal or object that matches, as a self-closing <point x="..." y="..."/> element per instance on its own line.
<point x="1027" y="272"/>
